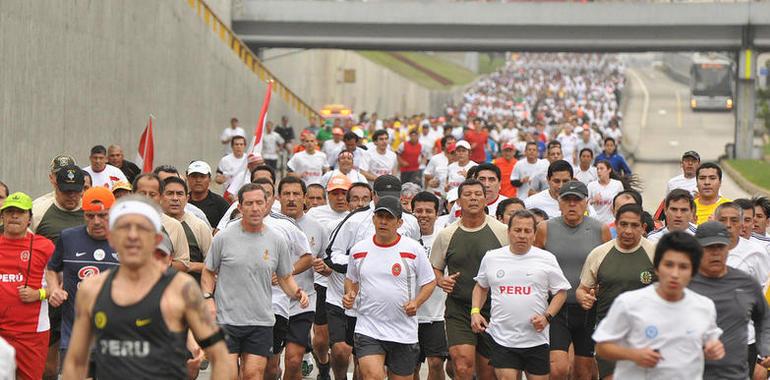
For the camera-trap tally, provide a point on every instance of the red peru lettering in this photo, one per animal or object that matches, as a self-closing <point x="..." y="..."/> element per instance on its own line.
<point x="515" y="290"/>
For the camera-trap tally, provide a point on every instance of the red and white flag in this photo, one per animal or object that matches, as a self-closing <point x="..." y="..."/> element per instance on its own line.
<point x="146" y="151"/>
<point x="255" y="148"/>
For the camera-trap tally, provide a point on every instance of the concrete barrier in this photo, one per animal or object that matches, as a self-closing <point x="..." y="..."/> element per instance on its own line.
<point x="79" y="73"/>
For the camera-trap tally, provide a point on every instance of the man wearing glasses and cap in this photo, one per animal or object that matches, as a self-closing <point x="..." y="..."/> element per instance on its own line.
<point x="686" y="180"/>
<point x="81" y="252"/>
<point x="23" y="307"/>
<point x="738" y="298"/>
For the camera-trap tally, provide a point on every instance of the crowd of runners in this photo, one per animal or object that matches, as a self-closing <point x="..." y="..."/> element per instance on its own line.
<point x="504" y="237"/>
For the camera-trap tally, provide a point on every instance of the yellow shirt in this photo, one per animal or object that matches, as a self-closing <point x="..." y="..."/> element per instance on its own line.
<point x="703" y="212"/>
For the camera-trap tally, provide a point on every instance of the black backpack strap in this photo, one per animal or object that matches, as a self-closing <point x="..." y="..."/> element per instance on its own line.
<point x="328" y="258"/>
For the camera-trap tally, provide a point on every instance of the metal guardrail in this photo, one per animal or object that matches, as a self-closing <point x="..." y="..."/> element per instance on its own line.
<point x="250" y="59"/>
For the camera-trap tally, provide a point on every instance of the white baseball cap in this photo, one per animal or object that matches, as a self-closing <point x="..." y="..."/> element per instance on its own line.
<point x="463" y="144"/>
<point x="199" y="167"/>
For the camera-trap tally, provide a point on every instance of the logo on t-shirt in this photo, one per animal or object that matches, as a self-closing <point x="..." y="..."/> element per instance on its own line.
<point x="24" y="256"/>
<point x="651" y="332"/>
<point x="396" y="269"/>
<point x="99" y="254"/>
<point x="266" y="256"/>
<point x="645" y="277"/>
<point x="100" y="320"/>
<point x="500" y="273"/>
<point x="88" y="271"/>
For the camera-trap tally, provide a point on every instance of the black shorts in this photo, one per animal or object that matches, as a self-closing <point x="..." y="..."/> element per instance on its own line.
<point x="55" y="320"/>
<point x="338" y="324"/>
<point x="752" y="359"/>
<point x="432" y="337"/>
<point x="532" y="360"/>
<point x="295" y="330"/>
<point x="401" y="358"/>
<point x="320" y="305"/>
<point x="458" y="327"/>
<point x="573" y="325"/>
<point x="606" y="367"/>
<point x="255" y="340"/>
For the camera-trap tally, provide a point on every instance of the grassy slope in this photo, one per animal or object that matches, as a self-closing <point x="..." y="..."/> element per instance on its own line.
<point x="758" y="172"/>
<point x="457" y="74"/>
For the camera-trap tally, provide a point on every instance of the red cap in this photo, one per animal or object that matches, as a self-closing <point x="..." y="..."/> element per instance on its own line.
<point x="508" y="145"/>
<point x="451" y="147"/>
<point x="98" y="198"/>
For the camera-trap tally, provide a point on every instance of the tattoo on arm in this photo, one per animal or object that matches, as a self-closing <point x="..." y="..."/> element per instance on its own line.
<point x="194" y="300"/>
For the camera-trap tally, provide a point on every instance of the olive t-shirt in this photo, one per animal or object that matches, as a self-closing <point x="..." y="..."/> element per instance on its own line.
<point x="460" y="249"/>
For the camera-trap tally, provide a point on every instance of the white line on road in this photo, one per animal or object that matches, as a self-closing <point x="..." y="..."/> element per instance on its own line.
<point x="679" y="122"/>
<point x="646" y="104"/>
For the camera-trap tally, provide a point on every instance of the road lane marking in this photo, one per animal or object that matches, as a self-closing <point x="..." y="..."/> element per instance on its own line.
<point x="679" y="122"/>
<point x="646" y="103"/>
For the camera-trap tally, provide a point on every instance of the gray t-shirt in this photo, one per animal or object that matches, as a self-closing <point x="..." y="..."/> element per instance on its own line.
<point x="571" y="246"/>
<point x="738" y="297"/>
<point x="245" y="263"/>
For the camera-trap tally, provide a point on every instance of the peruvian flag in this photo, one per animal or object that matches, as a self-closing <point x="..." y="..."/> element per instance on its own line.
<point x="244" y="176"/>
<point x="146" y="151"/>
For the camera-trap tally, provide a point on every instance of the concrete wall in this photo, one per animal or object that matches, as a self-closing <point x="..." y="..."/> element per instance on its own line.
<point x="76" y="73"/>
<point x="317" y="77"/>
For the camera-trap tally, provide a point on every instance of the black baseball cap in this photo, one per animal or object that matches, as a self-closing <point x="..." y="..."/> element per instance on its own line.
<point x="712" y="233"/>
<point x="575" y="188"/>
<point x="70" y="178"/>
<point x="387" y="185"/>
<point x="389" y="204"/>
<point x="691" y="154"/>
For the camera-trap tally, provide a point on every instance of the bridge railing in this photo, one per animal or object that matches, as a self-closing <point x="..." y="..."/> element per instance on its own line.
<point x="250" y="59"/>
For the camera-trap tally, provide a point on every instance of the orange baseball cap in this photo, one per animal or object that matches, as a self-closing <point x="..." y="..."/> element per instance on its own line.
<point x="338" y="182"/>
<point x="98" y="198"/>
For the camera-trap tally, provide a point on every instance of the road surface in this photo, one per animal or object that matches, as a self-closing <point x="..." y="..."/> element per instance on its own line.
<point x="659" y="126"/>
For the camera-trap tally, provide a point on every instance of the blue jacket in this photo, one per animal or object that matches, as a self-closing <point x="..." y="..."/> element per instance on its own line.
<point x="619" y="164"/>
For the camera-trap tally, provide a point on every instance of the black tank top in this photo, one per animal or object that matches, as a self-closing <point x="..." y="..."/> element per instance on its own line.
<point x="133" y="342"/>
<point x="196" y="255"/>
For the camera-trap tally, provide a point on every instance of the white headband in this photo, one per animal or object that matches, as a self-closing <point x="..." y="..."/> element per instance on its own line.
<point x="135" y="207"/>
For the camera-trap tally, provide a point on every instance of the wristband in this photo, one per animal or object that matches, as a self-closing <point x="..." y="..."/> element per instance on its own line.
<point x="475" y="310"/>
<point x="548" y="317"/>
<point x="214" y="338"/>
<point x="43" y="294"/>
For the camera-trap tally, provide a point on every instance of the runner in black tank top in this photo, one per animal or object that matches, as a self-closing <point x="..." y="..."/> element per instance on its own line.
<point x="133" y="341"/>
<point x="139" y="314"/>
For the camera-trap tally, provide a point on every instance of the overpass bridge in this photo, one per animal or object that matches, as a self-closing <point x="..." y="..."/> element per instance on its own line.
<point x="742" y="28"/>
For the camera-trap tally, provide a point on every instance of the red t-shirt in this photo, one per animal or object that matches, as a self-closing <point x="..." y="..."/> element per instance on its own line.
<point x="14" y="259"/>
<point x="411" y="154"/>
<point x="506" y="167"/>
<point x="478" y="141"/>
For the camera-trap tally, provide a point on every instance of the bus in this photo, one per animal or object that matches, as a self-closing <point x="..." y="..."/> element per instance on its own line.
<point x="711" y="82"/>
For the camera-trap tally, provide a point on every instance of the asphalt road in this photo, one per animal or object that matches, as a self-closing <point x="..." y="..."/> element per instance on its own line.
<point x="659" y="126"/>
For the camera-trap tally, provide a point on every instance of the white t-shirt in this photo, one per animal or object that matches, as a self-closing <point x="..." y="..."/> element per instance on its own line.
<point x="568" y="146"/>
<point x="679" y="182"/>
<point x="353" y="175"/>
<point x="605" y="195"/>
<point x="310" y="167"/>
<point x="7" y="362"/>
<point x="752" y="259"/>
<point x="654" y="236"/>
<point x="437" y="168"/>
<point x="230" y="165"/>
<point x="388" y="278"/>
<point x="524" y="169"/>
<point x="298" y="246"/>
<point x="545" y="202"/>
<point x="587" y="176"/>
<point x="329" y="219"/>
<point x="270" y="145"/>
<point x="456" y="173"/>
<point x="519" y="286"/>
<point x="641" y="318"/>
<point x="107" y="177"/>
<point x="332" y="150"/>
<point x="433" y="309"/>
<point x="379" y="164"/>
<point x="227" y="134"/>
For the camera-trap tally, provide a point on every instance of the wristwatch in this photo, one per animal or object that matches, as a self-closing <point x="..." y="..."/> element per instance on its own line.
<point x="208" y="296"/>
<point x="548" y="317"/>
